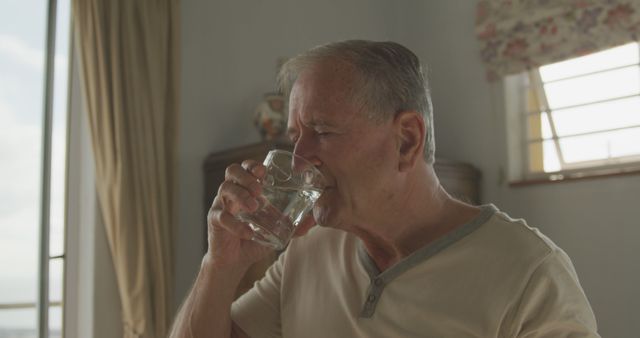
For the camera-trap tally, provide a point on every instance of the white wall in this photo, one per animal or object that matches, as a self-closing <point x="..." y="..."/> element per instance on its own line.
<point x="228" y="60"/>
<point x="594" y="221"/>
<point x="229" y="53"/>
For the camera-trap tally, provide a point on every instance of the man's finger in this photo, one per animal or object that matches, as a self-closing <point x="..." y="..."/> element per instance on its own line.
<point x="221" y="219"/>
<point x="240" y="176"/>
<point x="254" y="167"/>
<point x="236" y="198"/>
<point x="235" y="226"/>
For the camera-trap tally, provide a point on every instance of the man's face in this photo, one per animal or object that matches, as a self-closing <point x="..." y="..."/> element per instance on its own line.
<point x="357" y="155"/>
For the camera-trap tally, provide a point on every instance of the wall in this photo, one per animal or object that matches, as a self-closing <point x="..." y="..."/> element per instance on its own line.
<point x="229" y="53"/>
<point x="593" y="221"/>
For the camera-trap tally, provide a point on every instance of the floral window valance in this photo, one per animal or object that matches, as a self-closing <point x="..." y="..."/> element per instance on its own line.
<point x="516" y="35"/>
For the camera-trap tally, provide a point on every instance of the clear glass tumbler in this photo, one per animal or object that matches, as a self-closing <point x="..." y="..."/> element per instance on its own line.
<point x="290" y="188"/>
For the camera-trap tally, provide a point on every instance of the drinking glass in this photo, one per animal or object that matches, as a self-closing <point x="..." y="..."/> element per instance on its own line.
<point x="290" y="188"/>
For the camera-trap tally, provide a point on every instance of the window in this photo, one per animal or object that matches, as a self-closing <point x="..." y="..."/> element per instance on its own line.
<point x="579" y="117"/>
<point x="34" y="57"/>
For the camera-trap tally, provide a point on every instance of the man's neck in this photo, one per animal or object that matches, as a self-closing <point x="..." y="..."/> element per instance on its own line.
<point x="425" y="213"/>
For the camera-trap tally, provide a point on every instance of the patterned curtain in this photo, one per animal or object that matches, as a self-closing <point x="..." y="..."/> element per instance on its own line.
<point x="516" y="35"/>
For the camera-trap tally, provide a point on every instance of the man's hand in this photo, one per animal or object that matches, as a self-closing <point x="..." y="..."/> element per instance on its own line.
<point x="230" y="244"/>
<point x="205" y="312"/>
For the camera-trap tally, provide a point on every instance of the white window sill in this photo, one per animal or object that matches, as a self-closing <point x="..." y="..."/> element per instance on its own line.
<point x="558" y="177"/>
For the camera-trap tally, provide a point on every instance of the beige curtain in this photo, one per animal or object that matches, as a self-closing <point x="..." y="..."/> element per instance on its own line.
<point x="129" y="57"/>
<point x="516" y="35"/>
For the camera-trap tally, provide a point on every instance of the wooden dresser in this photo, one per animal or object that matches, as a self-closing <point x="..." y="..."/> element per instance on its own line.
<point x="461" y="180"/>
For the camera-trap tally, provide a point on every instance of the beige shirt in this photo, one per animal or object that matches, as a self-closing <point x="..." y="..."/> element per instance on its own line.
<point x="492" y="277"/>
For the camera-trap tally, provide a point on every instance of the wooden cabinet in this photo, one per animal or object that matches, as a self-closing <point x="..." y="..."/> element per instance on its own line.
<point x="461" y="180"/>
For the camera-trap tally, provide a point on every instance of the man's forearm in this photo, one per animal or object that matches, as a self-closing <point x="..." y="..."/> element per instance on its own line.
<point x="206" y="311"/>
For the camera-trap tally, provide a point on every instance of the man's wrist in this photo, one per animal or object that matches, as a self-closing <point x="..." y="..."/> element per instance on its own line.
<point x="227" y="273"/>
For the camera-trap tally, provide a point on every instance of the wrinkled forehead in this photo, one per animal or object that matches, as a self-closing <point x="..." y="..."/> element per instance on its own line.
<point x="323" y="91"/>
<point x="326" y="82"/>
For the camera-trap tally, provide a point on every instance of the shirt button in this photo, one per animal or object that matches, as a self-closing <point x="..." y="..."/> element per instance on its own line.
<point x="371" y="298"/>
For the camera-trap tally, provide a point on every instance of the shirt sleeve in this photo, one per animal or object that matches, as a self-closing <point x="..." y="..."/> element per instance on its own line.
<point x="257" y="312"/>
<point x="553" y="303"/>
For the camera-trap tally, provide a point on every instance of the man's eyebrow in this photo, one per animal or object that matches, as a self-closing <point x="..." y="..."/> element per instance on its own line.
<point x="292" y="131"/>
<point x="320" y="123"/>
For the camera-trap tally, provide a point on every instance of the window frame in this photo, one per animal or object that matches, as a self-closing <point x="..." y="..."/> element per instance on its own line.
<point x="43" y="304"/>
<point x="517" y="91"/>
<point x="90" y="298"/>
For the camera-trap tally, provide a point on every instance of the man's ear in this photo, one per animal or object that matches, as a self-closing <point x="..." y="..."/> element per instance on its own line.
<point x="410" y="133"/>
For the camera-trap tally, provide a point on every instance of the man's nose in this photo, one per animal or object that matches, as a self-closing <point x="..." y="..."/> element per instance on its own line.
<point x="305" y="154"/>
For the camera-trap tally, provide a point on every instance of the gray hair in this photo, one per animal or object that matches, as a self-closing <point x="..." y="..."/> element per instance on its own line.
<point x="389" y="79"/>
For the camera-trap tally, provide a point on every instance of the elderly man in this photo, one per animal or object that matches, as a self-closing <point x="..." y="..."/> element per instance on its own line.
<point x="393" y="254"/>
